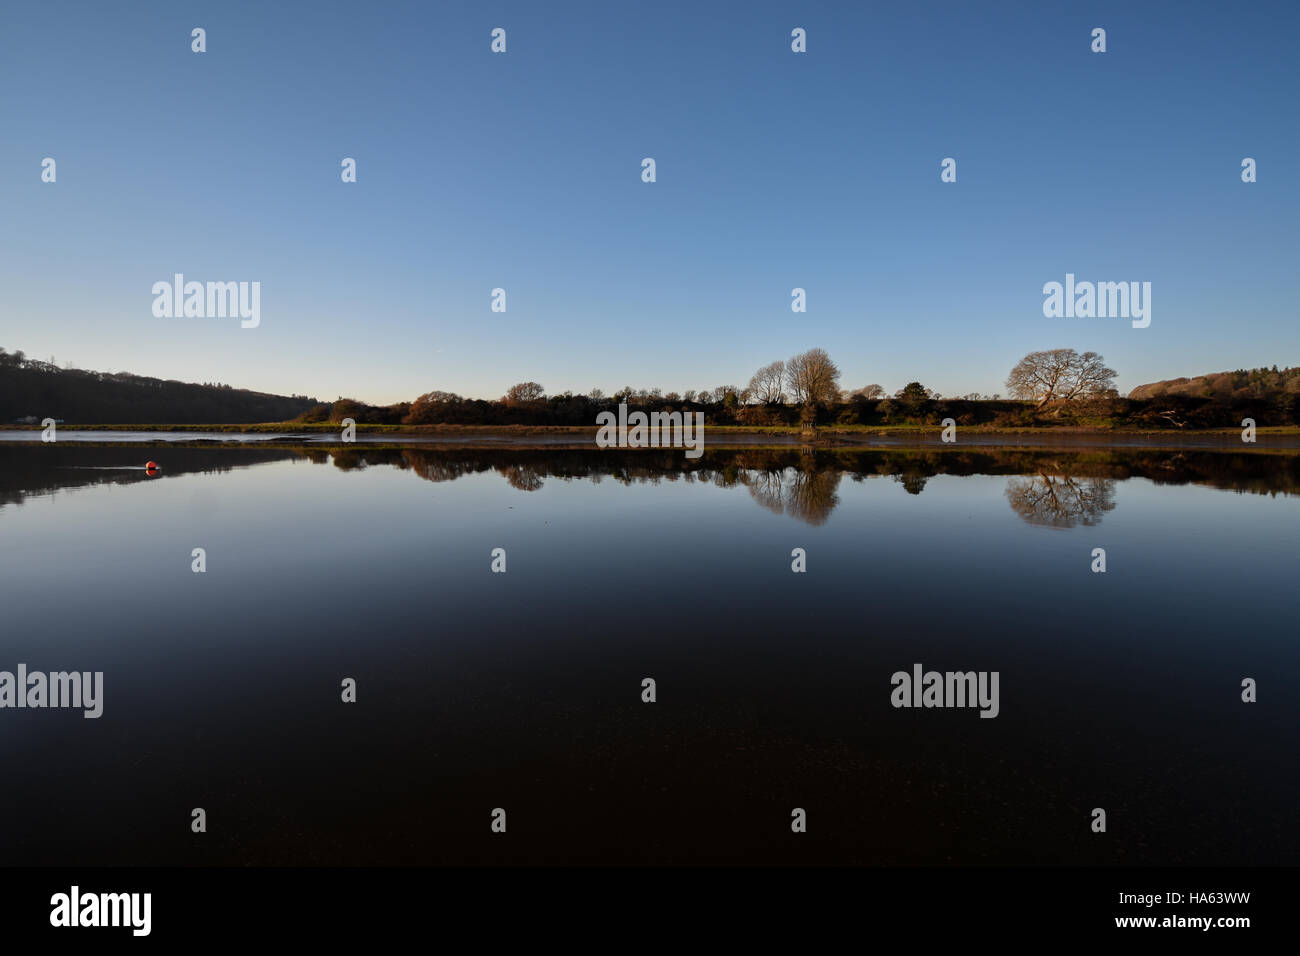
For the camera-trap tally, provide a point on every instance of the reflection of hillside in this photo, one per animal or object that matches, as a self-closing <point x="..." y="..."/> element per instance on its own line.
<point x="1061" y="501"/>
<point x="37" y="471"/>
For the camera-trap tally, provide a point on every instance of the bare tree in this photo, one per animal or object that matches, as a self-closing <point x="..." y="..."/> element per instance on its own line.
<point x="813" y="378"/>
<point x="1059" y="375"/>
<point x="767" y="385"/>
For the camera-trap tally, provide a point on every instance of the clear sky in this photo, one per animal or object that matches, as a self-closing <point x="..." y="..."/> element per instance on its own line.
<point x="523" y="171"/>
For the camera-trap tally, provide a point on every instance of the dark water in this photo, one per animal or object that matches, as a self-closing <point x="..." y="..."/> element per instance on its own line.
<point x="523" y="690"/>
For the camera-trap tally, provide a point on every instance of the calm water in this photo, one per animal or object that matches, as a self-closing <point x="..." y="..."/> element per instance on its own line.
<point x="523" y="690"/>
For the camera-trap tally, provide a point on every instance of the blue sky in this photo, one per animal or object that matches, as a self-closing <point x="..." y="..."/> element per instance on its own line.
<point x="522" y="171"/>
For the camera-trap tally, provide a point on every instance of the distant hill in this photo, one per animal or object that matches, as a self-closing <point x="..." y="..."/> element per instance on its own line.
<point x="1243" y="383"/>
<point x="36" y="390"/>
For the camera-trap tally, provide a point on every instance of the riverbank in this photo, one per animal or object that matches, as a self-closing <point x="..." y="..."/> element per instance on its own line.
<point x="489" y="431"/>
<point x="1284" y="438"/>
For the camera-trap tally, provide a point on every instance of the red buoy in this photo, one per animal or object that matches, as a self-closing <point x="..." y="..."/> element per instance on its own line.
<point x="151" y="466"/>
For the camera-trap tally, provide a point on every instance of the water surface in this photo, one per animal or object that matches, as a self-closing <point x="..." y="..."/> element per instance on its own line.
<point x="523" y="690"/>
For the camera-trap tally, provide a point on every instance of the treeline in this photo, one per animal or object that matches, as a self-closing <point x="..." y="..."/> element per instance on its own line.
<point x="914" y="404"/>
<point x="1169" y="412"/>
<point x="1052" y="388"/>
<point x="31" y="391"/>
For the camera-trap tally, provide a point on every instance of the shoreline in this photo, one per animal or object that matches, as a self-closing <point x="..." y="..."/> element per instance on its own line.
<point x="1278" y="438"/>
<point x="839" y="431"/>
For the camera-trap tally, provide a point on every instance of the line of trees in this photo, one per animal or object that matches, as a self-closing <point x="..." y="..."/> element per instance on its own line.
<point x="1056" y="386"/>
<point x="804" y="388"/>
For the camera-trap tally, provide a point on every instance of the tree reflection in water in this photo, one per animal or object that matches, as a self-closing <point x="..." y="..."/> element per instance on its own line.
<point x="807" y="494"/>
<point x="1061" y="500"/>
<point x="1051" y="488"/>
<point x="1057" y="489"/>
